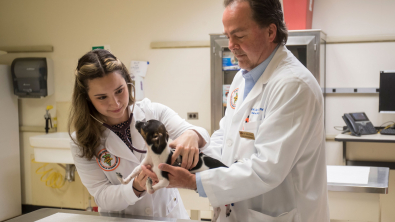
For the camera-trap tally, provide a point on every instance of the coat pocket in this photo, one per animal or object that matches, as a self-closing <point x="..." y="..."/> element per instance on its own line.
<point x="247" y="141"/>
<point x="248" y="131"/>
<point x="255" y="216"/>
<point x="251" y="127"/>
<point x="172" y="203"/>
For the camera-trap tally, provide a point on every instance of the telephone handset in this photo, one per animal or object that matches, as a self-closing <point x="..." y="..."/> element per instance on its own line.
<point x="359" y="124"/>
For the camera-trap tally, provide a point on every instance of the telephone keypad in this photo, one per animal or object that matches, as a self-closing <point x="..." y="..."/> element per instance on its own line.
<point x="370" y="129"/>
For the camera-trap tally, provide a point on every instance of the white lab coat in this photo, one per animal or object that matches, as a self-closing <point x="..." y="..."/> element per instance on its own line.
<point x="100" y="179"/>
<point x="282" y="173"/>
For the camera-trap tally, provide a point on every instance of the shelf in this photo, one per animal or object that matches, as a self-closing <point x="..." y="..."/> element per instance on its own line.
<point x="180" y="44"/>
<point x="360" y="39"/>
<point x="20" y="49"/>
<point x="40" y="129"/>
<point x="352" y="90"/>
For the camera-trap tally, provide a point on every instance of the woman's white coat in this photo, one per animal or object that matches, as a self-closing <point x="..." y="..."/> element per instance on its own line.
<point x="100" y="179"/>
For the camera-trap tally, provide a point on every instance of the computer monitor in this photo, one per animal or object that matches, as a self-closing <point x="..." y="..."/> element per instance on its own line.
<point x="387" y="92"/>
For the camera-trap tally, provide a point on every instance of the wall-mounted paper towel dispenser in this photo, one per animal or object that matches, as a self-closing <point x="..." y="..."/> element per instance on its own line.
<point x="32" y="77"/>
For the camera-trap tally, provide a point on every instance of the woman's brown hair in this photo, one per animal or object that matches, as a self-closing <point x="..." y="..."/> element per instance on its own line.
<point x="94" y="64"/>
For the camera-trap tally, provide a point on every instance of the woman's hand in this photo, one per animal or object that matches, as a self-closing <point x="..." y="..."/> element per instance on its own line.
<point x="186" y="145"/>
<point x="139" y="182"/>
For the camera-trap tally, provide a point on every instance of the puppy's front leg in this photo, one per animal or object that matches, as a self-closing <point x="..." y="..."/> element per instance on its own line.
<point x="228" y="210"/>
<point x="161" y="184"/>
<point x="148" y="185"/>
<point x="135" y="172"/>
<point x="217" y="210"/>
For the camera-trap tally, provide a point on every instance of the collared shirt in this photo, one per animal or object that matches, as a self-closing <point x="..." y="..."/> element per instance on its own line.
<point x="250" y="78"/>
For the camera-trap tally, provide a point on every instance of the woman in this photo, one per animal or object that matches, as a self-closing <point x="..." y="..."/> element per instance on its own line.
<point x="102" y="104"/>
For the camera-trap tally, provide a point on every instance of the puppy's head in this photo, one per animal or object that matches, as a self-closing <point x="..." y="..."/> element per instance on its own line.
<point x="154" y="134"/>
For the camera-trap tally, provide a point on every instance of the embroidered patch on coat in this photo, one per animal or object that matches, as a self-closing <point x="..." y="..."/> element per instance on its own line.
<point x="107" y="161"/>
<point x="233" y="98"/>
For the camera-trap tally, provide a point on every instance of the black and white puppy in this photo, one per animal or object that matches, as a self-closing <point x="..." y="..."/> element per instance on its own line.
<point x="158" y="151"/>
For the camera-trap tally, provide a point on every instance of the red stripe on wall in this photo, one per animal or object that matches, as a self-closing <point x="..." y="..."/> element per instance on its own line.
<point x="297" y="14"/>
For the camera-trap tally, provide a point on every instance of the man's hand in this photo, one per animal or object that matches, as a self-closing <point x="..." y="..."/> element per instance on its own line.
<point x="186" y="145"/>
<point x="178" y="177"/>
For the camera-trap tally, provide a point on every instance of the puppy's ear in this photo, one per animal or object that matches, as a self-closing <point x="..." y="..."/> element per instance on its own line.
<point x="155" y="138"/>
<point x="167" y="137"/>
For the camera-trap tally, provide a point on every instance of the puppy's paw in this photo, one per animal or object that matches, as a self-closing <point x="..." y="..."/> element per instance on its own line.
<point x="217" y="211"/>
<point x="120" y="177"/>
<point x="240" y="161"/>
<point x="149" y="182"/>
<point x="228" y="210"/>
<point x="150" y="190"/>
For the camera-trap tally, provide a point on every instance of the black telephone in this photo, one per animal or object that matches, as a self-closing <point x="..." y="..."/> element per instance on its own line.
<point x="359" y="124"/>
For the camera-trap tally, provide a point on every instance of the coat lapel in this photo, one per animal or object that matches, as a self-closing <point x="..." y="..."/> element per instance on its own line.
<point x="240" y="96"/>
<point x="267" y="74"/>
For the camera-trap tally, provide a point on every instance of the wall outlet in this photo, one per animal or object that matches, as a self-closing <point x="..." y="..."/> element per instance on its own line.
<point x="193" y="115"/>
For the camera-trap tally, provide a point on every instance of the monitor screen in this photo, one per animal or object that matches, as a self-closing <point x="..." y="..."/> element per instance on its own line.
<point x="387" y="92"/>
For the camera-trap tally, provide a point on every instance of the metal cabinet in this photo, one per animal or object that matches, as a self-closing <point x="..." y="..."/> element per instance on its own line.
<point x="309" y="46"/>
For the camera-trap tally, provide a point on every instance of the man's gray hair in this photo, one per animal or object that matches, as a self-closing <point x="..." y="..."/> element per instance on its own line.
<point x="266" y="12"/>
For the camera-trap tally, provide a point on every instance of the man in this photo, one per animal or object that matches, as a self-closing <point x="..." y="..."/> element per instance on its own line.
<point x="272" y="135"/>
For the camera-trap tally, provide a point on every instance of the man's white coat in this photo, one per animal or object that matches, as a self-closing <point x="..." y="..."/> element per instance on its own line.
<point x="281" y="175"/>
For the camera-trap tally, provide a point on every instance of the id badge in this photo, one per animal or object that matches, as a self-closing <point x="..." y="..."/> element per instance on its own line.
<point x="248" y="130"/>
<point x="247" y="135"/>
